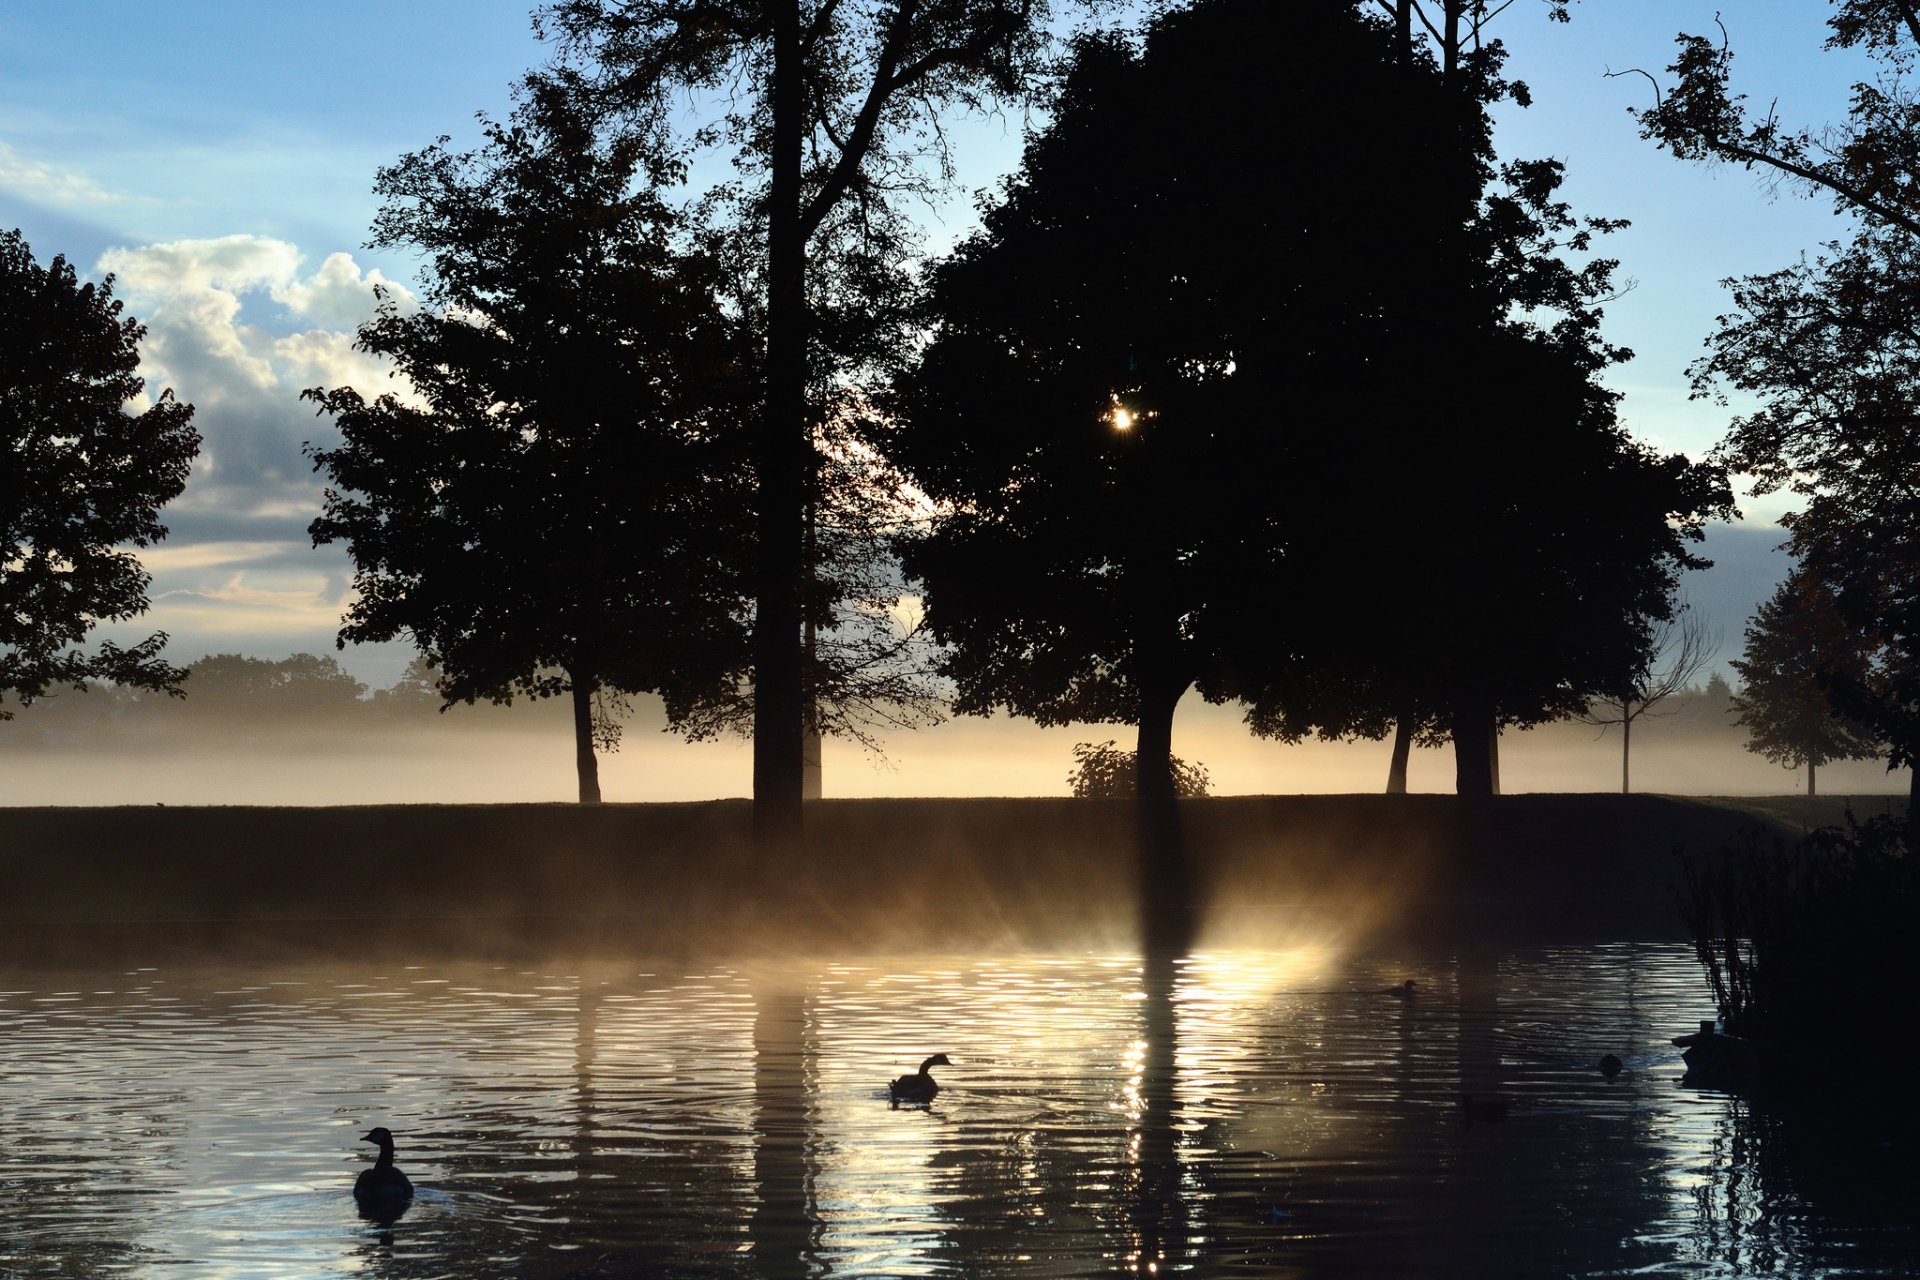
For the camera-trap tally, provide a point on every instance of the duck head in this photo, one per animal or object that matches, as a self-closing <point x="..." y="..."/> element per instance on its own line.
<point x="380" y="1136"/>
<point x="937" y="1060"/>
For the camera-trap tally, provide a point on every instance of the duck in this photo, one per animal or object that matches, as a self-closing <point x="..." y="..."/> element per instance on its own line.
<point x="1610" y="1066"/>
<point x="383" y="1183"/>
<point x="920" y="1086"/>
<point x="1402" y="991"/>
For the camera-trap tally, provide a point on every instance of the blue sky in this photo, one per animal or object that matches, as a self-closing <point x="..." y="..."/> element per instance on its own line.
<point x="219" y="158"/>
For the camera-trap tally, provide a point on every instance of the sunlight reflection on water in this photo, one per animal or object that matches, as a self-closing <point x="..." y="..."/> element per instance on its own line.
<point x="1271" y="1110"/>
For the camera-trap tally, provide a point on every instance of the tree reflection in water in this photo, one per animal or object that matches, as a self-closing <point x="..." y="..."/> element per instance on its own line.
<point x="1192" y="1111"/>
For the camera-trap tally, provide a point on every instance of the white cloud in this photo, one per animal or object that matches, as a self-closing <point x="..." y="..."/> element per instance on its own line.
<point x="52" y="184"/>
<point x="339" y="293"/>
<point x="243" y="369"/>
<point x="206" y="555"/>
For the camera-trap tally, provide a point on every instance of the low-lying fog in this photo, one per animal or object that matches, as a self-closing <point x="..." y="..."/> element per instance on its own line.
<point x="526" y="754"/>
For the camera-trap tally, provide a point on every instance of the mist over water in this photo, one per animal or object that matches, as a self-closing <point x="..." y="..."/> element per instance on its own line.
<point x="521" y="755"/>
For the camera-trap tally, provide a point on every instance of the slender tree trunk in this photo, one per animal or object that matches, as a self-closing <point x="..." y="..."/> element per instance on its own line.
<point x="780" y="462"/>
<point x="1403" y="30"/>
<point x="1913" y="807"/>
<point x="1472" y="749"/>
<point x="584" y="762"/>
<point x="810" y="780"/>
<point x="1626" y="748"/>
<point x="1402" y="748"/>
<point x="1493" y="754"/>
<point x="1812" y="785"/>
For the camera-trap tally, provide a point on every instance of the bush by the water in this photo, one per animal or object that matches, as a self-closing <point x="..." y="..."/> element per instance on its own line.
<point x="1102" y="771"/>
<point x="1806" y="944"/>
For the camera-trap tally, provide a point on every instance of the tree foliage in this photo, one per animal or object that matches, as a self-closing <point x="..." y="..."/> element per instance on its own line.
<point x="90" y="462"/>
<point x="1828" y="344"/>
<point x="558" y="503"/>
<point x="1496" y="592"/>
<point x="1119" y="396"/>
<point x="1799" y="653"/>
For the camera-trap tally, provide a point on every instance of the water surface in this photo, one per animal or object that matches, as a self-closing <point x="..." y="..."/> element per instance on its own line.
<point x="1266" y="1113"/>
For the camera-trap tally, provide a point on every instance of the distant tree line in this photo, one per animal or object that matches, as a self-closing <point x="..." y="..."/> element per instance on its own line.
<point x="230" y="694"/>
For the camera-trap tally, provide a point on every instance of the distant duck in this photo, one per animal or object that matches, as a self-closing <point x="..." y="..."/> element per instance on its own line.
<point x="1610" y="1066"/>
<point x="382" y="1184"/>
<point x="1483" y="1108"/>
<point x="920" y="1086"/>
<point x="1401" y="992"/>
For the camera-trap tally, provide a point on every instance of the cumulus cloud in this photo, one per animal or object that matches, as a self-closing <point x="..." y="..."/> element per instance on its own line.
<point x="244" y="375"/>
<point x="239" y="328"/>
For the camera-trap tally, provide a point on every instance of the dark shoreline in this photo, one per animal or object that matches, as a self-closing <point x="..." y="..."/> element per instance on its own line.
<point x="877" y="875"/>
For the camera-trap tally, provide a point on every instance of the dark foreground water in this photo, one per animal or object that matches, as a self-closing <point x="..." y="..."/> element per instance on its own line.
<point x="1228" y="1113"/>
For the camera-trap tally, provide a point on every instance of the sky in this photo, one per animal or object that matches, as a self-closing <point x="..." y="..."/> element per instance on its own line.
<point x="218" y="160"/>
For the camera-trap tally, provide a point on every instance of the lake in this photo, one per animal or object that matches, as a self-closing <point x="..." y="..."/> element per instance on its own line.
<point x="1225" y="1112"/>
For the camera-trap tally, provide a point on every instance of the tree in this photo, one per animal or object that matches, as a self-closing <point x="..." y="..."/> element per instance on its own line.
<point x="1094" y="413"/>
<point x="1829" y="344"/>
<point x="300" y="687"/>
<point x="1680" y="647"/>
<point x="1102" y="771"/>
<point x="557" y="506"/>
<point x="839" y="96"/>
<point x="1799" y="649"/>
<point x="1481" y="388"/>
<point x="89" y="465"/>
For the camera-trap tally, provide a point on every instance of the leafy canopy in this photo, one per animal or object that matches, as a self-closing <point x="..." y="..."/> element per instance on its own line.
<point x="89" y="464"/>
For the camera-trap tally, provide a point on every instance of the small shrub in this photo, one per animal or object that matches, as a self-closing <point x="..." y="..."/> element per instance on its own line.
<point x="1102" y="771"/>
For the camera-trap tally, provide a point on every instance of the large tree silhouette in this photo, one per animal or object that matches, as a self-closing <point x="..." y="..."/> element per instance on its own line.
<point x="85" y="477"/>
<point x="558" y="505"/>
<point x="828" y="106"/>
<point x="1125" y="402"/>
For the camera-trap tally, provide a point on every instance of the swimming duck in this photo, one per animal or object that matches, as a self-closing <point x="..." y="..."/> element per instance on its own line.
<point x="1610" y="1066"/>
<point x="919" y="1087"/>
<point x="1400" y="992"/>
<point x="382" y="1184"/>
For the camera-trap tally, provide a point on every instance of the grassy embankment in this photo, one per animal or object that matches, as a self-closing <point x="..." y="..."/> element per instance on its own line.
<point x="877" y="874"/>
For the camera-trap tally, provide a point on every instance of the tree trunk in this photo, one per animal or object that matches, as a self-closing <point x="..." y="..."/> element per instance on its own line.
<point x="1493" y="755"/>
<point x="1166" y="887"/>
<point x="1472" y="727"/>
<point x="780" y="462"/>
<point x="1812" y="784"/>
<point x="810" y="780"/>
<point x="584" y="762"/>
<point x="1153" y="748"/>
<point x="1626" y="748"/>
<point x="1402" y="748"/>
<point x="1403" y="30"/>
<point x="1913" y="807"/>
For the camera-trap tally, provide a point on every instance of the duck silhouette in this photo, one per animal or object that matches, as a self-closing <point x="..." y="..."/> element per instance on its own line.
<point x="1610" y="1066"/>
<point x="383" y="1185"/>
<point x="1401" y="991"/>
<point x="920" y="1086"/>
